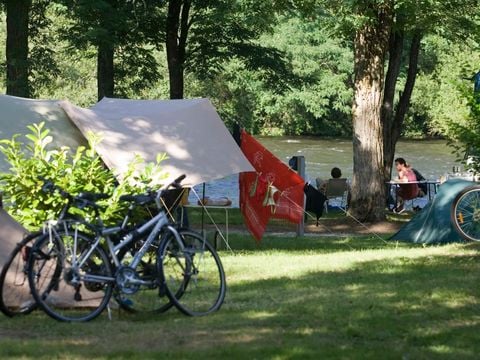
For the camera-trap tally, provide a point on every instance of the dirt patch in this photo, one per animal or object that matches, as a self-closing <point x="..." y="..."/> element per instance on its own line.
<point x="327" y="226"/>
<point x="348" y="225"/>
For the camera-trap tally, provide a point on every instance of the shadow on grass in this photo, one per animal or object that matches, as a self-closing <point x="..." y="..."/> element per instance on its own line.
<point x="415" y="308"/>
<point x="398" y="307"/>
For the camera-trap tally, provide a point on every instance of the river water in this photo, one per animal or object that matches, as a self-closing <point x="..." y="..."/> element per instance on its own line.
<point x="433" y="158"/>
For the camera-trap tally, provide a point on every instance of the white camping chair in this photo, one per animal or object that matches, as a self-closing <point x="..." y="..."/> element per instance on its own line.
<point x="337" y="189"/>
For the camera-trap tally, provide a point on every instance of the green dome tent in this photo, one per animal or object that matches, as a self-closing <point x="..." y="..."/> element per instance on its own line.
<point x="432" y="225"/>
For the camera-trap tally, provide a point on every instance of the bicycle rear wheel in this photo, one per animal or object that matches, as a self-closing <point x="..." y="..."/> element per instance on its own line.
<point x="465" y="213"/>
<point x="15" y="296"/>
<point x="193" y="275"/>
<point x="65" y="291"/>
<point x="148" y="298"/>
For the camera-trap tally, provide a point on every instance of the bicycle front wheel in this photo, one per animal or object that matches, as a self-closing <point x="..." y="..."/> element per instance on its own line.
<point x="69" y="280"/>
<point x="15" y="296"/>
<point x="192" y="273"/>
<point x="465" y="213"/>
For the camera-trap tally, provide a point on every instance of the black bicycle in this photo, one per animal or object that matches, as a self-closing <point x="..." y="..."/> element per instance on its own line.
<point x="73" y="274"/>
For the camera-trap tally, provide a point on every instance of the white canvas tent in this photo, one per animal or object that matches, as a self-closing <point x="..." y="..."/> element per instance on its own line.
<point x="190" y="132"/>
<point x="17" y="113"/>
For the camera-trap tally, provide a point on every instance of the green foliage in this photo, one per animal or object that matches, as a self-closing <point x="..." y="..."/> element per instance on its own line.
<point x="274" y="74"/>
<point x="465" y="137"/>
<point x="129" y="28"/>
<point x="444" y="79"/>
<point x="78" y="171"/>
<point x="43" y="67"/>
<point x="315" y="100"/>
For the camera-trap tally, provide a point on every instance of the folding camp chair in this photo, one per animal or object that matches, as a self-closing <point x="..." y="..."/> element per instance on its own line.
<point x="337" y="189"/>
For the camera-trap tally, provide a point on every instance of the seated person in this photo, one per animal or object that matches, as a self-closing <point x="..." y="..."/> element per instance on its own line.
<point x="405" y="191"/>
<point x="336" y="173"/>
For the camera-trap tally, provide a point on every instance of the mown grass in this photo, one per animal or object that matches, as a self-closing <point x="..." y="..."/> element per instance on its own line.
<point x="291" y="298"/>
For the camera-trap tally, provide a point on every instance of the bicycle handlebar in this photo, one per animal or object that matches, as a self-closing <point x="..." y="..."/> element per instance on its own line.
<point x="175" y="184"/>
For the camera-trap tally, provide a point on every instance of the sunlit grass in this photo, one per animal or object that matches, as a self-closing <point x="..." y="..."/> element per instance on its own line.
<point x="291" y="298"/>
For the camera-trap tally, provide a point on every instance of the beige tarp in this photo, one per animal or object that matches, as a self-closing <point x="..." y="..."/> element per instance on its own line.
<point x="190" y="131"/>
<point x="17" y="113"/>
<point x="11" y="233"/>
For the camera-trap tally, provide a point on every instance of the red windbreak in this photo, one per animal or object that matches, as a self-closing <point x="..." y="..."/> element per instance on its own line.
<point x="274" y="190"/>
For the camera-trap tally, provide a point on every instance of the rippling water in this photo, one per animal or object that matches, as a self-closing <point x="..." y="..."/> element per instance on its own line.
<point x="433" y="158"/>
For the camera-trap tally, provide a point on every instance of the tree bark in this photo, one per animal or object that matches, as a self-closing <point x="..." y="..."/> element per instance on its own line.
<point x="105" y="71"/>
<point x="17" y="47"/>
<point x="176" y="42"/>
<point x="393" y="70"/>
<point x="395" y="121"/>
<point x="368" y="187"/>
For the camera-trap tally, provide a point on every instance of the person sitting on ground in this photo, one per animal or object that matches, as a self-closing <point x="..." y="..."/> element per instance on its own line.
<point x="404" y="191"/>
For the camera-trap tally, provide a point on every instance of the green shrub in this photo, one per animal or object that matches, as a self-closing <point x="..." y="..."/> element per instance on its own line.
<point x="82" y="170"/>
<point x="465" y="138"/>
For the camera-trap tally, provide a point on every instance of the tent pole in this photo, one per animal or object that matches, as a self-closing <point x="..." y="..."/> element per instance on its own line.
<point x="203" y="209"/>
<point x="301" y="172"/>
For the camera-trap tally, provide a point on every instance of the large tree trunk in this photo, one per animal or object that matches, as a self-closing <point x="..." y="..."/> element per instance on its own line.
<point x="368" y="186"/>
<point x="105" y="71"/>
<point x="395" y="120"/>
<point x="176" y="41"/>
<point x="17" y="47"/>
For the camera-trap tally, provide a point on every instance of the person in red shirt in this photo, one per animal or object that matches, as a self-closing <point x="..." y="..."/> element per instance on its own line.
<point x="405" y="191"/>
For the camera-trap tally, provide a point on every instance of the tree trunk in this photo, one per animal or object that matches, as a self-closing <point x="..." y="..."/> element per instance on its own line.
<point x="17" y="47"/>
<point x="393" y="70"/>
<point x="368" y="187"/>
<point x="176" y="41"/>
<point x="105" y="71"/>
<point x="396" y="120"/>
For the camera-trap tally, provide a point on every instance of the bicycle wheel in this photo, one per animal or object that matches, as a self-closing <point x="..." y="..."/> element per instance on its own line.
<point x="15" y="296"/>
<point x="193" y="276"/>
<point x="148" y="298"/>
<point x="66" y="283"/>
<point x="465" y="213"/>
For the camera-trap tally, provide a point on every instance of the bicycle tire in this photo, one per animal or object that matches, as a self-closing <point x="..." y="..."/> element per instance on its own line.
<point x="194" y="277"/>
<point x="15" y="296"/>
<point x="148" y="299"/>
<point x="465" y="213"/>
<point x="61" y="292"/>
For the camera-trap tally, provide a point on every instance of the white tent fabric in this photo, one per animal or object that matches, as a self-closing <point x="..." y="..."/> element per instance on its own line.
<point x="190" y="132"/>
<point x="17" y="113"/>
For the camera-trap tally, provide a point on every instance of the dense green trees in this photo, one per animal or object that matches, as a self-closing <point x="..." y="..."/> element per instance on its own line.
<point x="275" y="72"/>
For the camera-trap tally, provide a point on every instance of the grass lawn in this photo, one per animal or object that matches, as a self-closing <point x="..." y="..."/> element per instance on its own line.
<point x="290" y="298"/>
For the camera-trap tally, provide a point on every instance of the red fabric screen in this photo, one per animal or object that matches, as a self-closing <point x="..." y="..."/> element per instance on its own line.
<point x="274" y="190"/>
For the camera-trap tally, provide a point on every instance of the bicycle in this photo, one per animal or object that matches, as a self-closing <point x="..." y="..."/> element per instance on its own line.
<point x="72" y="278"/>
<point x="15" y="296"/>
<point x="465" y="213"/>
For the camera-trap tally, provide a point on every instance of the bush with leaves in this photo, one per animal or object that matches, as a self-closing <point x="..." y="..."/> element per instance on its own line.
<point x="78" y="171"/>
<point x="465" y="137"/>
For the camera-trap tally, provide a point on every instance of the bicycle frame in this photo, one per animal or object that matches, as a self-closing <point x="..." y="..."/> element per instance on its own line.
<point x="155" y="225"/>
